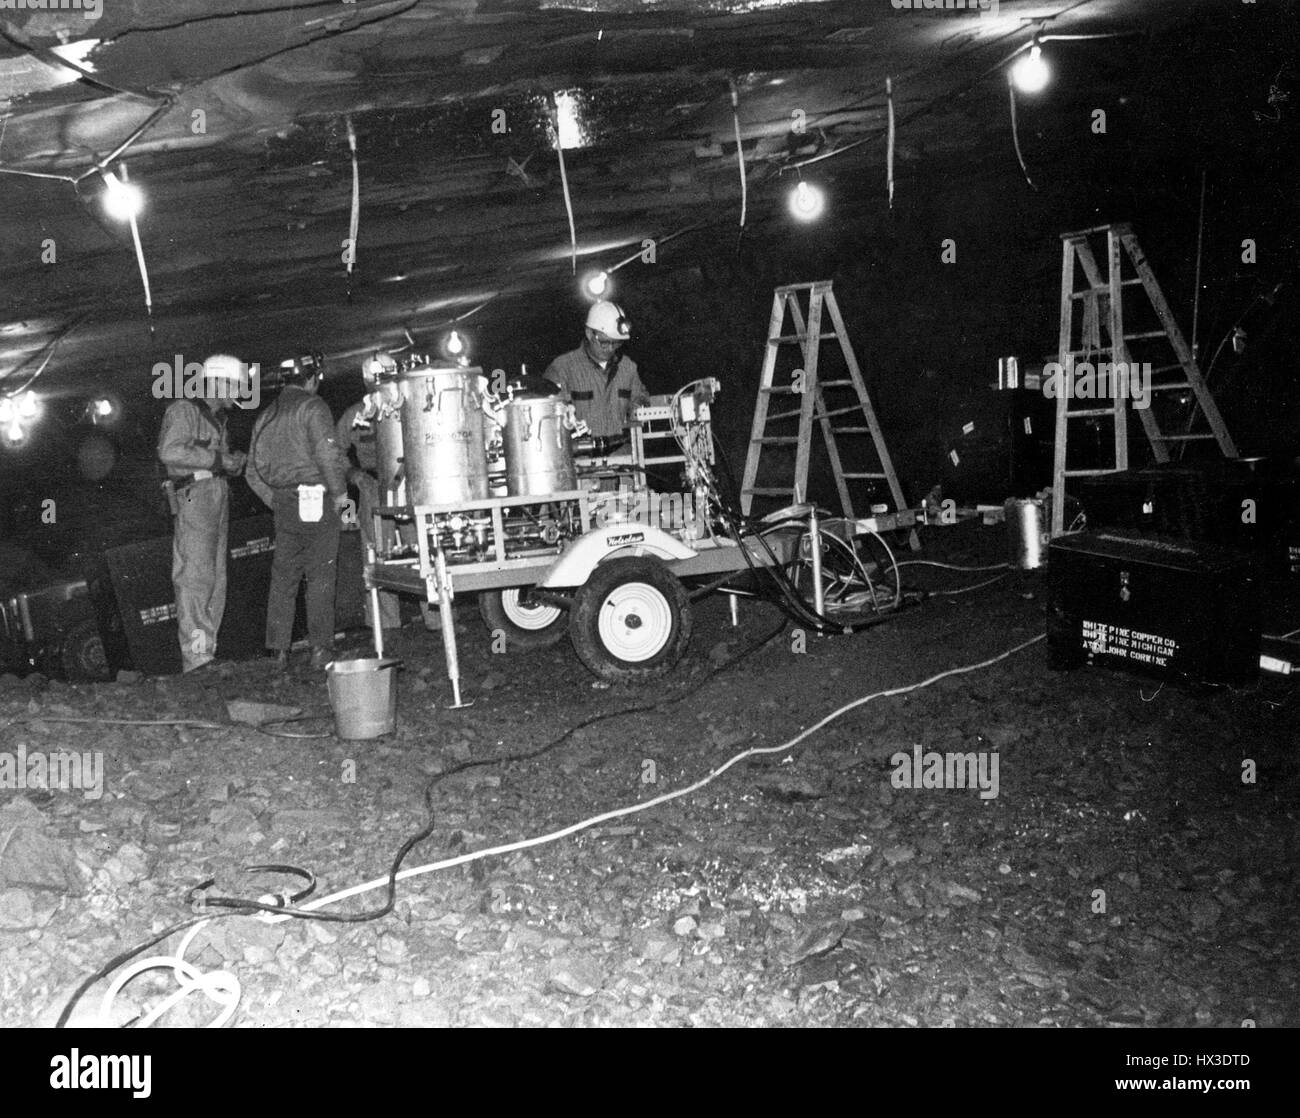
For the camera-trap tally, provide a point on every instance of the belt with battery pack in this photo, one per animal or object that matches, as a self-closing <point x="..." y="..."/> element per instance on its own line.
<point x="180" y="484"/>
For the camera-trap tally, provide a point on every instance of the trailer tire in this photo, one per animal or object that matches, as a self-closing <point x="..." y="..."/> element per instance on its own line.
<point x="82" y="653"/>
<point x="632" y="621"/>
<point x="527" y="626"/>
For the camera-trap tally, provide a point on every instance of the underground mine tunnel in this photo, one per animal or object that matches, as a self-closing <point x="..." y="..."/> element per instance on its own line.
<point x="772" y="513"/>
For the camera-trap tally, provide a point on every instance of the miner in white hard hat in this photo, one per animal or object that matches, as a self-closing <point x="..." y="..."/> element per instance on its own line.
<point x="602" y="384"/>
<point x="195" y="451"/>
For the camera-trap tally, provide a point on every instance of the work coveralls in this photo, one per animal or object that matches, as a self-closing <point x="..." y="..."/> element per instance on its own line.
<point x="605" y="402"/>
<point x="294" y="445"/>
<point x="356" y="432"/>
<point x="190" y="446"/>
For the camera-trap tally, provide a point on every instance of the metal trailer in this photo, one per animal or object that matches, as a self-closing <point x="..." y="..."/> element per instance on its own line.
<point x="602" y="566"/>
<point x="614" y="586"/>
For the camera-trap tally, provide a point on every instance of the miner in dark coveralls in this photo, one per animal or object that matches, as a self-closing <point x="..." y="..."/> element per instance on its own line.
<point x="296" y="466"/>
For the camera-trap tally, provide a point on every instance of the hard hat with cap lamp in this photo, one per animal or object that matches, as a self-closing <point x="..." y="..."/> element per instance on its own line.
<point x="300" y="369"/>
<point x="608" y="318"/>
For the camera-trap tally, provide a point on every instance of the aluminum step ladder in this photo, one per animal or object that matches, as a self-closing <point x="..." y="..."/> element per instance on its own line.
<point x="815" y="397"/>
<point x="1102" y="337"/>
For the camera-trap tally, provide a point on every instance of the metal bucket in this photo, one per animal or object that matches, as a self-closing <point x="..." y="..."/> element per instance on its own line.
<point x="443" y="435"/>
<point x="539" y="456"/>
<point x="363" y="694"/>
<point x="1026" y="532"/>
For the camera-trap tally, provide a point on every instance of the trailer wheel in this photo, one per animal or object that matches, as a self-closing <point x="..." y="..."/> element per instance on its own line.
<point x="631" y="621"/>
<point x="527" y="625"/>
<point x="83" y="653"/>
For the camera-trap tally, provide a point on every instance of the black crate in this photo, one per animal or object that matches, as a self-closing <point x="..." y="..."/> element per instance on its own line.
<point x="137" y="605"/>
<point x="1161" y="606"/>
<point x="1250" y="504"/>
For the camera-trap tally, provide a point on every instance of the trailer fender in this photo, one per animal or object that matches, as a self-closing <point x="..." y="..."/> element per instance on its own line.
<point x="582" y="557"/>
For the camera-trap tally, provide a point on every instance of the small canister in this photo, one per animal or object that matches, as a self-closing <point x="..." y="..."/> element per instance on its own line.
<point x="1026" y="533"/>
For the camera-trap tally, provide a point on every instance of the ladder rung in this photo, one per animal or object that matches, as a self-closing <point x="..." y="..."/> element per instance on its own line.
<point x="778" y="389"/>
<point x="1165" y="368"/>
<point x="1103" y="289"/>
<point x="851" y="430"/>
<point x="834" y="383"/>
<point x="776" y="439"/>
<point x="768" y="492"/>
<point x="1090" y="473"/>
<point x="1144" y="334"/>
<point x="1088" y="413"/>
<point x="1183" y="438"/>
<point x="838" y="411"/>
<point x="873" y="477"/>
<point x="798" y="338"/>
<point x="1122" y="229"/>
<point x="1170" y="387"/>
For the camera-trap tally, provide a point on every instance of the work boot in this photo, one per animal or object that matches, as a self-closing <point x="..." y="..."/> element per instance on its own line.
<point x="320" y="657"/>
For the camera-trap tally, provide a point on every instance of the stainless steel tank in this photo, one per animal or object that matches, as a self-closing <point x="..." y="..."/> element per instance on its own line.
<point x="443" y="435"/>
<point x="539" y="456"/>
<point x="388" y="441"/>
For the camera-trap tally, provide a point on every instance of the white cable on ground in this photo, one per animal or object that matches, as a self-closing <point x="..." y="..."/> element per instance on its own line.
<point x="223" y="987"/>
<point x="220" y="986"/>
<point x="634" y="809"/>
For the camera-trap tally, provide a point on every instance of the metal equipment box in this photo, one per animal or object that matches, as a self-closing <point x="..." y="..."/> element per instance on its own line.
<point x="1153" y="604"/>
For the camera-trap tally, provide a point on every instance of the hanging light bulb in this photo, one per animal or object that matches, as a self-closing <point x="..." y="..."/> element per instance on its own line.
<point x="455" y="343"/>
<point x="122" y="200"/>
<point x="1031" y="74"/>
<point x="807" y="202"/>
<point x="15" y="433"/>
<point x="28" y="406"/>
<point x="596" y="284"/>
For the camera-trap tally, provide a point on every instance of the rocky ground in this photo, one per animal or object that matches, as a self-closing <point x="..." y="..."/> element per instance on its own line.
<point x="1123" y="875"/>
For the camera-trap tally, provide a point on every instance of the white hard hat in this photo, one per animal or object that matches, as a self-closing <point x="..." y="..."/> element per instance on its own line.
<point x="221" y="366"/>
<point x="610" y="320"/>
